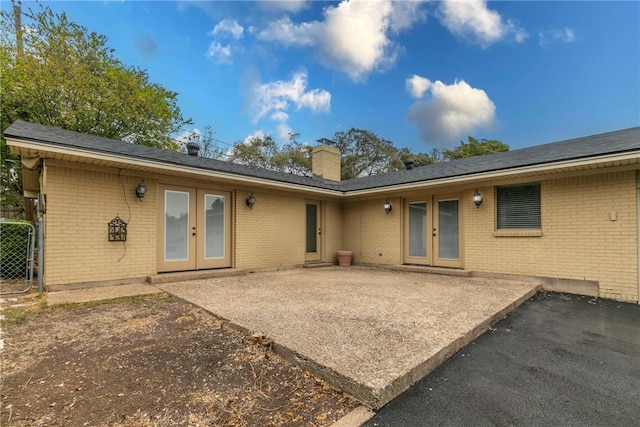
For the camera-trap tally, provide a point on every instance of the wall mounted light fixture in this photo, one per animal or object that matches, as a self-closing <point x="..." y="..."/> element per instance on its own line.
<point x="251" y="200"/>
<point x="387" y="206"/>
<point x="141" y="190"/>
<point x="477" y="199"/>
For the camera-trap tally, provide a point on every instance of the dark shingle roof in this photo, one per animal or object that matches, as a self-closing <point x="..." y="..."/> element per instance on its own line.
<point x="572" y="149"/>
<point x="615" y="142"/>
<point x="69" y="139"/>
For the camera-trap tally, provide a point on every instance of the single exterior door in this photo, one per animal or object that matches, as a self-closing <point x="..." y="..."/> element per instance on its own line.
<point x="194" y="229"/>
<point x="432" y="232"/>
<point x="313" y="233"/>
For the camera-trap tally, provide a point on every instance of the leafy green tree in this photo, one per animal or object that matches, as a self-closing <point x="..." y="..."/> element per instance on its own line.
<point x="59" y="74"/>
<point x="474" y="147"/>
<point x="294" y="157"/>
<point x="257" y="151"/>
<point x="364" y="153"/>
<point x="419" y="159"/>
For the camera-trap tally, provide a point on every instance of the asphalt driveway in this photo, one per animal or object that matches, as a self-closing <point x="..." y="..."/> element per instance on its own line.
<point x="557" y="360"/>
<point x="370" y="332"/>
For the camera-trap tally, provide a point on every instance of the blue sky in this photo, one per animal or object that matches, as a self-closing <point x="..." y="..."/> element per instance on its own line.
<point x="421" y="74"/>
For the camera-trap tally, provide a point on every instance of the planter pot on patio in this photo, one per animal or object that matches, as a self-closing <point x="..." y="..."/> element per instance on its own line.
<point x="344" y="258"/>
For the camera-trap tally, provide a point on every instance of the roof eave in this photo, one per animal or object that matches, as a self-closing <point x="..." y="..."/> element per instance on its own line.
<point x="29" y="147"/>
<point x="566" y="166"/>
<point x="38" y="148"/>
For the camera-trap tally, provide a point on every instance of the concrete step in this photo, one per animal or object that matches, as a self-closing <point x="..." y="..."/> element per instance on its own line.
<point x="182" y="276"/>
<point x="317" y="264"/>
<point x="431" y="270"/>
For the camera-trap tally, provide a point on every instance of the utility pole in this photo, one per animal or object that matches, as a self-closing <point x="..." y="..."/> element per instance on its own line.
<point x="17" y="21"/>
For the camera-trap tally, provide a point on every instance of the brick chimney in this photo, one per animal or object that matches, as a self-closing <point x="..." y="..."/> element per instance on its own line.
<point x="325" y="160"/>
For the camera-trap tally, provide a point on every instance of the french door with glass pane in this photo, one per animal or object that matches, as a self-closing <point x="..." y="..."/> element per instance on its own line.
<point x="432" y="232"/>
<point x="194" y="228"/>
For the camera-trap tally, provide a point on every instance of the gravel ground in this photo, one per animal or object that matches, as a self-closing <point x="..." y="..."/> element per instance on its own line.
<point x="148" y="361"/>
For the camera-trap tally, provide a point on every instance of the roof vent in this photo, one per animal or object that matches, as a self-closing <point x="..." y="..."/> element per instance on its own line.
<point x="409" y="164"/>
<point x="193" y="148"/>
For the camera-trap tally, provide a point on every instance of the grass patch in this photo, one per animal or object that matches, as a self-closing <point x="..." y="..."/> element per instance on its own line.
<point x="23" y="310"/>
<point x="118" y="300"/>
<point x="27" y="307"/>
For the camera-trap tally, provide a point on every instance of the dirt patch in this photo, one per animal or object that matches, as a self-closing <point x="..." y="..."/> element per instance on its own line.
<point x="145" y="361"/>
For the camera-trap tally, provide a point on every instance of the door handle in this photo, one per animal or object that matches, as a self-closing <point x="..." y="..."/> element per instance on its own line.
<point x="194" y="231"/>
<point x="434" y="232"/>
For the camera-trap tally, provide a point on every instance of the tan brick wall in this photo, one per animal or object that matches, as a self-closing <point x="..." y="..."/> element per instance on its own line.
<point x="333" y="231"/>
<point x="326" y="162"/>
<point x="80" y="203"/>
<point x="272" y="234"/>
<point x="373" y="235"/>
<point x="579" y="240"/>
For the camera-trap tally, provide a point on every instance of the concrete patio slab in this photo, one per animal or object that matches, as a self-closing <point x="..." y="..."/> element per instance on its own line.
<point x="370" y="332"/>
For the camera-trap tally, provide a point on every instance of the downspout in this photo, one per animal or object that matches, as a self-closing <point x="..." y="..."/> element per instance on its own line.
<point x="42" y="209"/>
<point x="40" y="249"/>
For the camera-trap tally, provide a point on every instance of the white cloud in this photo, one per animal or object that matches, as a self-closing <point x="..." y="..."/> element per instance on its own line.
<point x="284" y="130"/>
<point x="280" y="116"/>
<point x="475" y="22"/>
<point x="219" y="53"/>
<point x="228" y="26"/>
<point x="451" y="111"/>
<point x="354" y="37"/>
<point x="283" y="127"/>
<point x="405" y="14"/>
<point x="417" y="85"/>
<point x="283" y="30"/>
<point x="259" y="134"/>
<point x="565" y="35"/>
<point x="291" y="6"/>
<point x="278" y="96"/>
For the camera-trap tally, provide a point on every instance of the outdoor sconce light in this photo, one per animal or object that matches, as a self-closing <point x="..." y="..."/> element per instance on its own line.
<point x="477" y="199"/>
<point x="251" y="200"/>
<point x="387" y="206"/>
<point x="141" y="190"/>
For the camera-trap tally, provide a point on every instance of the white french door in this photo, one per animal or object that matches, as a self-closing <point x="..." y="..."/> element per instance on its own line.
<point x="194" y="228"/>
<point x="432" y="231"/>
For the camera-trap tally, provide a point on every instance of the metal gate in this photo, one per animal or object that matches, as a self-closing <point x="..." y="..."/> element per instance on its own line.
<point x="17" y="244"/>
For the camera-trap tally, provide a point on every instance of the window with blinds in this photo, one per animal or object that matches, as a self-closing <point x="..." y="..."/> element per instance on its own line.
<point x="518" y="206"/>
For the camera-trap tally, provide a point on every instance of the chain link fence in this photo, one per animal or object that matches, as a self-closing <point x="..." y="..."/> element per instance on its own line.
<point x="17" y="247"/>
